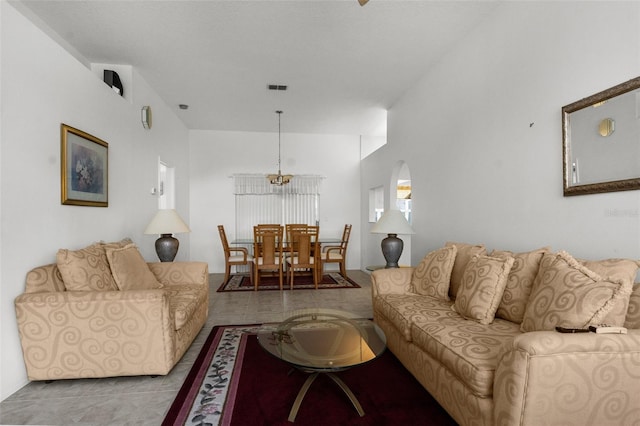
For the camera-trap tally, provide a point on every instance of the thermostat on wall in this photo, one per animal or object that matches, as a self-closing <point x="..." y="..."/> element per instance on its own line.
<point x="146" y="117"/>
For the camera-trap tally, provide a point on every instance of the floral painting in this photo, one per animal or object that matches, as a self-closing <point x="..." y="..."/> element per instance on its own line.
<point x="88" y="171"/>
<point x="84" y="168"/>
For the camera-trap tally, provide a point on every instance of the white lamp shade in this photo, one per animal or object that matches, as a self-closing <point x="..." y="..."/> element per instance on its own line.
<point x="167" y="222"/>
<point x="392" y="222"/>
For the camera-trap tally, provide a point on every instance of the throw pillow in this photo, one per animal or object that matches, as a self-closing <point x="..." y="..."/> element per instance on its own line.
<point x="566" y="293"/>
<point x="632" y="321"/>
<point x="86" y="269"/>
<point x="117" y="244"/>
<point x="130" y="270"/>
<point x="432" y="276"/>
<point x="516" y="293"/>
<point x="481" y="291"/>
<point x="615" y="269"/>
<point x="464" y="255"/>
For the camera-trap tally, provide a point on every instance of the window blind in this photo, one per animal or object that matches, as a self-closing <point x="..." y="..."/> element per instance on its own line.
<point x="258" y="201"/>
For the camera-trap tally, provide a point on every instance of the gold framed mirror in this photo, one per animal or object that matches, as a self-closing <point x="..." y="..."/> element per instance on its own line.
<point x="601" y="141"/>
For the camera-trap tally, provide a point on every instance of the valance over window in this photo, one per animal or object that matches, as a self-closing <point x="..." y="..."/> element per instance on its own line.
<point x="257" y="184"/>
<point x="258" y="201"/>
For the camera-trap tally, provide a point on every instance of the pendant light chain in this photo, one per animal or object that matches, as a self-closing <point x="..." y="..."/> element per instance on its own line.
<point x="279" y="179"/>
<point x="279" y="116"/>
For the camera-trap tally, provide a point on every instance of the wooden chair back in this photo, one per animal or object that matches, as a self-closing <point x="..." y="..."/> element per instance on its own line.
<point x="223" y="239"/>
<point x="232" y="255"/>
<point x="304" y="244"/>
<point x="264" y="227"/>
<point x="290" y="229"/>
<point x="345" y="239"/>
<point x="304" y="251"/>
<point x="268" y="245"/>
<point x="337" y="253"/>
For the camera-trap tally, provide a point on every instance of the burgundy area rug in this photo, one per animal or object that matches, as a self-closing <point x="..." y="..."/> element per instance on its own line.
<point x="235" y="382"/>
<point x="242" y="282"/>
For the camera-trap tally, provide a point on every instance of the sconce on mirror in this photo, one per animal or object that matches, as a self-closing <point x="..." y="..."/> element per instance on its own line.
<point x="601" y="141"/>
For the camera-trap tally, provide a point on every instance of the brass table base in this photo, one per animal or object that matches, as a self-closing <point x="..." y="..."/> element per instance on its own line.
<point x="307" y="384"/>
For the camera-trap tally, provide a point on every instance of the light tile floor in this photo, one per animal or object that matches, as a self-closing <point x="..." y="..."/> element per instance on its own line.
<point x="144" y="400"/>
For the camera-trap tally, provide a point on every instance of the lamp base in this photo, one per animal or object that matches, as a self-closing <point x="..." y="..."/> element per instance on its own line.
<point x="391" y="250"/>
<point x="167" y="247"/>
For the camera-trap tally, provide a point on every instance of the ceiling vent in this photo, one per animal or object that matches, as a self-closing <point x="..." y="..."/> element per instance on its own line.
<point x="281" y="87"/>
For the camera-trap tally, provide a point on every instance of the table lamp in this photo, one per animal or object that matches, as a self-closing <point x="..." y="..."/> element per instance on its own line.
<point x="165" y="223"/>
<point x="392" y="223"/>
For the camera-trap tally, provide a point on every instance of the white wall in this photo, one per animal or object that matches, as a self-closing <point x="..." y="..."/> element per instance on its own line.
<point x="216" y="155"/>
<point x="43" y="86"/>
<point x="481" y="134"/>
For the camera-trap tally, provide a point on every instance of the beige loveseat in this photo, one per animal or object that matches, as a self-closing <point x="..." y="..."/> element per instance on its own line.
<point x="109" y="316"/>
<point x="511" y="367"/>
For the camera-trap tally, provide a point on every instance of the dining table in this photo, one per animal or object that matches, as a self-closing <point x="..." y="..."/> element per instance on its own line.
<point x="321" y="240"/>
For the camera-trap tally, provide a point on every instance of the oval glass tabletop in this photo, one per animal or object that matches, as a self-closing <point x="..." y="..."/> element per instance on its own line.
<point x="323" y="340"/>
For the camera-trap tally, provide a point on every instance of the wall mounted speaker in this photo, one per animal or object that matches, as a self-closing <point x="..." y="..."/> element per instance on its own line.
<point x="113" y="80"/>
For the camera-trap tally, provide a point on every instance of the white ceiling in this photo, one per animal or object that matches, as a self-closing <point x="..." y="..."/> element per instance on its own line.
<point x="345" y="65"/>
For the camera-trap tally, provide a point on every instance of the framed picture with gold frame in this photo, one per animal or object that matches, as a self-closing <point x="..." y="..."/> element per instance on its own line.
<point x="84" y="168"/>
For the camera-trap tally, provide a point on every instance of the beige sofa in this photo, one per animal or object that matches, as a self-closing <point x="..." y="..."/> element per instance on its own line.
<point x="512" y="367"/>
<point x="109" y="316"/>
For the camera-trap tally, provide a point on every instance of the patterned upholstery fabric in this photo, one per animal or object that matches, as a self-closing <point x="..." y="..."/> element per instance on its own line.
<point x="519" y="284"/>
<point x="569" y="379"/>
<point x="433" y="274"/>
<point x="184" y="300"/>
<point x="482" y="287"/>
<point x="86" y="269"/>
<point x="44" y="278"/>
<point x="633" y="314"/>
<point x="568" y="294"/>
<point x="463" y="256"/>
<point x="615" y="269"/>
<point x="495" y="374"/>
<point x="74" y="334"/>
<point x="187" y="273"/>
<point x="129" y="269"/>
<point x="466" y="348"/>
<point x="117" y="244"/>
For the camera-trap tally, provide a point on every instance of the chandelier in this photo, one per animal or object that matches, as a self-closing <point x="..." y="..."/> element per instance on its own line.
<point x="279" y="179"/>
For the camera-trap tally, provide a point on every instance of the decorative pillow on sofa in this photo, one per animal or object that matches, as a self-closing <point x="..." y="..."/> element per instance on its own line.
<point x="615" y="269"/>
<point x="516" y="293"/>
<point x="130" y="270"/>
<point x="481" y="291"/>
<point x="464" y="255"/>
<point x="632" y="321"/>
<point x="117" y="244"/>
<point x="568" y="294"/>
<point x="86" y="269"/>
<point x="433" y="275"/>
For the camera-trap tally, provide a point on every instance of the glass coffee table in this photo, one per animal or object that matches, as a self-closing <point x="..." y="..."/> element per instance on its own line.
<point x="323" y="341"/>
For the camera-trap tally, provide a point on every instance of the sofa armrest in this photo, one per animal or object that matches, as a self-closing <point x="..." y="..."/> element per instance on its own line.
<point x="392" y="280"/>
<point x="548" y="377"/>
<point x="75" y="334"/>
<point x="181" y="272"/>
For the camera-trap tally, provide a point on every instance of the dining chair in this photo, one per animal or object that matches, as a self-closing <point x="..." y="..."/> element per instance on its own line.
<point x="257" y="248"/>
<point x="289" y="228"/>
<point x="267" y="251"/>
<point x="336" y="253"/>
<point x="304" y="248"/>
<point x="233" y="255"/>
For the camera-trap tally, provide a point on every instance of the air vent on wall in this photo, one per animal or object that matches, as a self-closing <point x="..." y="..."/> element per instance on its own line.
<point x="277" y="87"/>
